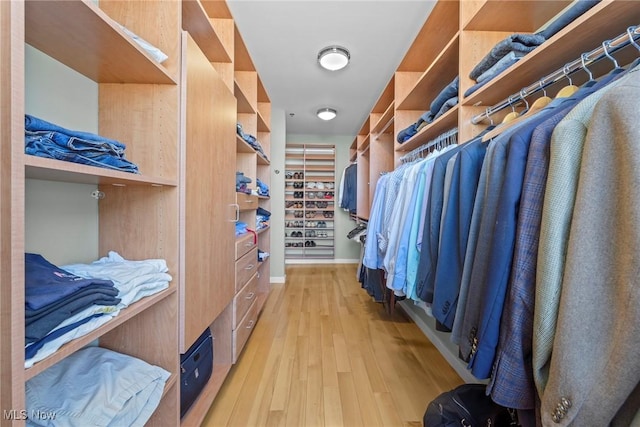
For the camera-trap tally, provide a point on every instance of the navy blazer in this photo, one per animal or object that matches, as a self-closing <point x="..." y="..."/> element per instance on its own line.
<point x="431" y="232"/>
<point x="455" y="230"/>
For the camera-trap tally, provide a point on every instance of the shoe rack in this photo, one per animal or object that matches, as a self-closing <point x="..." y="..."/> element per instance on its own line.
<point x="310" y="201"/>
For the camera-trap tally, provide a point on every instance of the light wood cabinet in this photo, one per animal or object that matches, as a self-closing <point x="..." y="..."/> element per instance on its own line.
<point x="454" y="38"/>
<point x="138" y="213"/>
<point x="178" y="121"/>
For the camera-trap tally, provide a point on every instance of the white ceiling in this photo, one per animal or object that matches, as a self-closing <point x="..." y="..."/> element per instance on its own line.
<point x="284" y="37"/>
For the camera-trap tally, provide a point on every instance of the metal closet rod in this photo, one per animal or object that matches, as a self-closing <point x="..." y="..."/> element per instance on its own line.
<point x="450" y="137"/>
<point x="607" y="47"/>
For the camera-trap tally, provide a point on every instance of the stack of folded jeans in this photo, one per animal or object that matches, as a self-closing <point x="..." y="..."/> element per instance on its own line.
<point x="44" y="139"/>
<point x="446" y="99"/>
<point x="263" y="189"/>
<point x="251" y="140"/>
<point x="510" y="50"/>
<point x="241" y="183"/>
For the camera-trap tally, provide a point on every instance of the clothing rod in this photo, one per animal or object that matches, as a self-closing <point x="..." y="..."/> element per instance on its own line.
<point x="443" y="136"/>
<point x="598" y="53"/>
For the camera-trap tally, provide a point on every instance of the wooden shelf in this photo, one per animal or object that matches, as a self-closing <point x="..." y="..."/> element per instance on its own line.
<point x="441" y="72"/>
<point x="439" y="28"/>
<point x="198" y="24"/>
<point x="75" y="345"/>
<point x="262" y="123"/>
<point x="244" y="105"/>
<point x="582" y="35"/>
<point x="83" y="37"/>
<point x="58" y="170"/>
<point x="364" y="144"/>
<point x="447" y="121"/>
<point x="383" y="124"/>
<point x="262" y="160"/>
<point x="262" y="230"/>
<point x="523" y="16"/>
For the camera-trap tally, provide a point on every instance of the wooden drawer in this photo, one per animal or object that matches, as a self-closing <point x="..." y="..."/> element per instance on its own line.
<point x="247" y="202"/>
<point x="243" y="300"/>
<point x="244" y="244"/>
<point x="244" y="329"/>
<point x="246" y="267"/>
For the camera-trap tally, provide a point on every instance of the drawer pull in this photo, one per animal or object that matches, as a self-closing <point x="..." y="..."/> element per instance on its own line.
<point x="248" y="245"/>
<point x="249" y="267"/>
<point x="250" y="295"/>
<point x="249" y="201"/>
<point x="250" y="324"/>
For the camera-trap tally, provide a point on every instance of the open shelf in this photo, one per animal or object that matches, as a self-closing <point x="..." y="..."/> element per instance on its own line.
<point x="522" y="16"/>
<point x="196" y="21"/>
<point x="80" y="35"/>
<point x="447" y="121"/>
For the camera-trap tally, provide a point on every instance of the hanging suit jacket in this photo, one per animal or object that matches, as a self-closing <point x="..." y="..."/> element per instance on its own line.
<point x="595" y="366"/>
<point x="512" y="383"/>
<point x="564" y="163"/>
<point x="455" y="230"/>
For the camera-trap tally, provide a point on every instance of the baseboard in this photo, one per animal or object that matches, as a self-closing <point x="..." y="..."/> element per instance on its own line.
<point x="439" y="339"/>
<point x="278" y="279"/>
<point x="321" y="261"/>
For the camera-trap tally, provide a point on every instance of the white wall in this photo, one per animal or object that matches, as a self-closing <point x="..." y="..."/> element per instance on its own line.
<point x="278" y="141"/>
<point x="61" y="219"/>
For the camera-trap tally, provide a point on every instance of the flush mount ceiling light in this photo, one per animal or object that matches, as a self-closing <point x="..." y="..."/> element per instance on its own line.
<point x="333" y="58"/>
<point x="327" y="113"/>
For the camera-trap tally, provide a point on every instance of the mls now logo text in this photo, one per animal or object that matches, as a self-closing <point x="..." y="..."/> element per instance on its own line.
<point x="23" y="414"/>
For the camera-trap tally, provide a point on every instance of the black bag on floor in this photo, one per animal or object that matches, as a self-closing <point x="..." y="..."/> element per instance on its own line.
<point x="469" y="406"/>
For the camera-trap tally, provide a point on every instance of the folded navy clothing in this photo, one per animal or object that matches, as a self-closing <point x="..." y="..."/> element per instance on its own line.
<point x="39" y="325"/>
<point x="33" y="348"/>
<point x="577" y="9"/>
<point x="411" y="130"/>
<point x="518" y="43"/>
<point x="445" y="94"/>
<point x="449" y="104"/>
<point x="46" y="284"/>
<point x="263" y="212"/>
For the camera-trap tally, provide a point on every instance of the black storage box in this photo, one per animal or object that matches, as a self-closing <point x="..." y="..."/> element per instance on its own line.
<point x="196" y="366"/>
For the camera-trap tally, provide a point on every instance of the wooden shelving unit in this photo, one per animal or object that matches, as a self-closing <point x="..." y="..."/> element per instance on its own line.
<point x="309" y="218"/>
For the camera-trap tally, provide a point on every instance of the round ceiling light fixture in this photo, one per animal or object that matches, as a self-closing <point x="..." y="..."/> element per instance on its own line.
<point x="333" y="58"/>
<point x="327" y="113"/>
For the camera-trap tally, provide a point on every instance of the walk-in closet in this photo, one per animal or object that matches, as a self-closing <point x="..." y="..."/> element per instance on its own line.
<point x="433" y="200"/>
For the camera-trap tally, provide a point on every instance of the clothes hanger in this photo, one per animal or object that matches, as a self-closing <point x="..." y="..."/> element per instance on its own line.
<point x="616" y="68"/>
<point x="583" y="58"/>
<point x="568" y="90"/>
<point x="509" y="120"/>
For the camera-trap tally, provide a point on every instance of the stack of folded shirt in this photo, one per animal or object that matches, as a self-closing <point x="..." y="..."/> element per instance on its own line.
<point x="132" y="281"/>
<point x="44" y="139"/>
<point x="241" y="183"/>
<point x="262" y="218"/>
<point x="510" y="50"/>
<point x="263" y="189"/>
<point x="446" y="99"/>
<point x="95" y="387"/>
<point x="251" y="140"/>
<point x="241" y="228"/>
<point x="54" y="295"/>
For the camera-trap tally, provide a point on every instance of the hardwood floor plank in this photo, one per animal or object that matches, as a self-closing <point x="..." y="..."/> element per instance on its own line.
<point x="349" y="401"/>
<point x="324" y="354"/>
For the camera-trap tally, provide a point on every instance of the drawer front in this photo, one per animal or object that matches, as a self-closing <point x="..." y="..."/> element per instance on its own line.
<point x="247" y="202"/>
<point x="244" y="329"/>
<point x="246" y="267"/>
<point x="244" y="244"/>
<point x="243" y="300"/>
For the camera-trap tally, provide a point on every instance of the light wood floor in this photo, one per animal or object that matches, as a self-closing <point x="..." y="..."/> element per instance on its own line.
<point x="324" y="354"/>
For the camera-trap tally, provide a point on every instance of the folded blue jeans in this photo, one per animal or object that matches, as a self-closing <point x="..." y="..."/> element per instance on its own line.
<point x="494" y="71"/>
<point x="449" y="104"/>
<point x="445" y="94"/>
<point x="519" y="43"/>
<point x="578" y="8"/>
